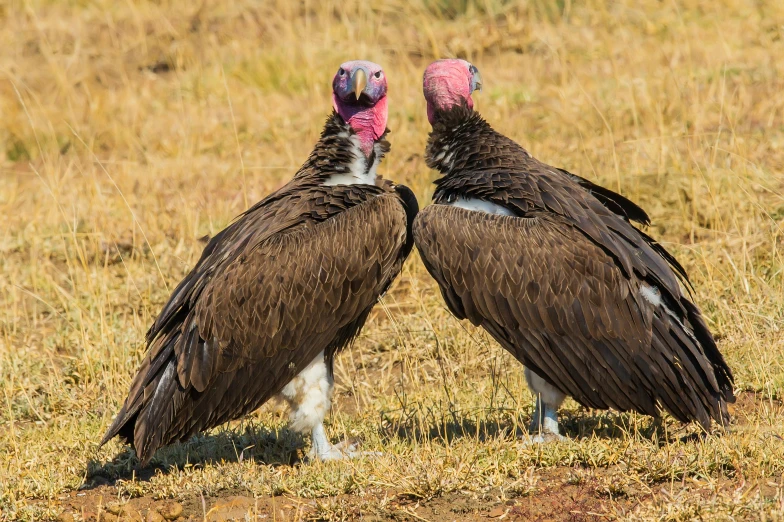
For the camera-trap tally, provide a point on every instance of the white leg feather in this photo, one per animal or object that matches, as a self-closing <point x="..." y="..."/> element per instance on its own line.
<point x="309" y="396"/>
<point x="544" y="424"/>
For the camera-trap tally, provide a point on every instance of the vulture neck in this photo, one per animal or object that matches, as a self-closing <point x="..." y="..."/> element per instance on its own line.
<point x="463" y="142"/>
<point x="456" y="133"/>
<point x="339" y="157"/>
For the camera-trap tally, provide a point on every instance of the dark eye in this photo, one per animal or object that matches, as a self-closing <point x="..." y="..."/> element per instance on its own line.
<point x="341" y="72"/>
<point x="472" y="69"/>
<point x="378" y="74"/>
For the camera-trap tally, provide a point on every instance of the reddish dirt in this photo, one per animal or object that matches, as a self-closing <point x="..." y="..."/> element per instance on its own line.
<point x="553" y="500"/>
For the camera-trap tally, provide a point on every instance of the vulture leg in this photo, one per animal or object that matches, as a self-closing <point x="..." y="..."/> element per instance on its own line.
<point x="544" y="423"/>
<point x="309" y="395"/>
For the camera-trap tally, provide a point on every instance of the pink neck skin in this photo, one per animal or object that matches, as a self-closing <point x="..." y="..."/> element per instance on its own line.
<point x="446" y="87"/>
<point x="368" y="122"/>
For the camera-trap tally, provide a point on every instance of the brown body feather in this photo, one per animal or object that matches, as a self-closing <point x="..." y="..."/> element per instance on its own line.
<point x="558" y="284"/>
<point x="295" y="275"/>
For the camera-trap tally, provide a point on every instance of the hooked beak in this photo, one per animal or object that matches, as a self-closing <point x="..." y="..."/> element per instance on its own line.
<point x="476" y="79"/>
<point x="360" y="82"/>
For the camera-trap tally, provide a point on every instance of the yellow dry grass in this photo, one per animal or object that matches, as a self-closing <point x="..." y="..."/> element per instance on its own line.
<point x="130" y="129"/>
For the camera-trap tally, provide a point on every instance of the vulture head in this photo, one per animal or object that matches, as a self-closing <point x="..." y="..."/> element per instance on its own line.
<point x="359" y="96"/>
<point x="449" y="83"/>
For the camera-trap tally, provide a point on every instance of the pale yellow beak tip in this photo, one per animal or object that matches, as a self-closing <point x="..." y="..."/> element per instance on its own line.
<point x="360" y="82"/>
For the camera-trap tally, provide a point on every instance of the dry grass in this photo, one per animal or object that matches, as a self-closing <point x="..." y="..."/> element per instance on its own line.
<point x="130" y="129"/>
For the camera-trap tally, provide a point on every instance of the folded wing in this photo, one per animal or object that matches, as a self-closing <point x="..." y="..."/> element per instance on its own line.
<point x="566" y="309"/>
<point x="256" y="310"/>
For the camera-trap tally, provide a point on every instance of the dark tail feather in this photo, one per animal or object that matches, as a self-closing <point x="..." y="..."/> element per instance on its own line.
<point x="126" y="418"/>
<point x="122" y="426"/>
<point x="722" y="372"/>
<point x="154" y="397"/>
<point x="164" y="398"/>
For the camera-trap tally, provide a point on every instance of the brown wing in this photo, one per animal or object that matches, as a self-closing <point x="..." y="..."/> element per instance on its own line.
<point x="260" y="318"/>
<point x="484" y="164"/>
<point x="565" y="309"/>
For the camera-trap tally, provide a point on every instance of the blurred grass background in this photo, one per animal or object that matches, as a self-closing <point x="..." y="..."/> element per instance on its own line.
<point x="128" y="130"/>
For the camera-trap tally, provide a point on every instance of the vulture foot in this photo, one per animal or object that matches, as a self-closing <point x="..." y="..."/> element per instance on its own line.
<point x="347" y="449"/>
<point x="544" y="422"/>
<point x="545" y="438"/>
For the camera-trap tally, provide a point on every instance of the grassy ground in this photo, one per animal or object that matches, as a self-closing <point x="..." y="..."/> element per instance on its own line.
<point x="128" y="130"/>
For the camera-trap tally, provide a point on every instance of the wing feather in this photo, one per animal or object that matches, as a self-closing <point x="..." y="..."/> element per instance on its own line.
<point x="241" y="328"/>
<point x="253" y="321"/>
<point x="569" y="312"/>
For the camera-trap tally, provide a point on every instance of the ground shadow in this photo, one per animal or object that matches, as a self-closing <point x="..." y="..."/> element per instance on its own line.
<point x="414" y="422"/>
<point x="421" y="422"/>
<point x="252" y="441"/>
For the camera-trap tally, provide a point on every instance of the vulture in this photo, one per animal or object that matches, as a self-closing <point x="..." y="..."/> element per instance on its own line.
<point x="551" y="266"/>
<point x="278" y="292"/>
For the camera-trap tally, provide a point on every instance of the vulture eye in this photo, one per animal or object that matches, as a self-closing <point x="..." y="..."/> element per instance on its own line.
<point x="378" y="74"/>
<point x="472" y="69"/>
<point x="341" y="72"/>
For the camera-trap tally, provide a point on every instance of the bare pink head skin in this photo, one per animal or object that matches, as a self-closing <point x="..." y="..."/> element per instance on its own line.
<point x="449" y="83"/>
<point x="359" y="96"/>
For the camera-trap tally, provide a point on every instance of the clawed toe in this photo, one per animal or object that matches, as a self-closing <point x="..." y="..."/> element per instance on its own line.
<point x="544" y="438"/>
<point x="345" y="449"/>
<point x="348" y="446"/>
